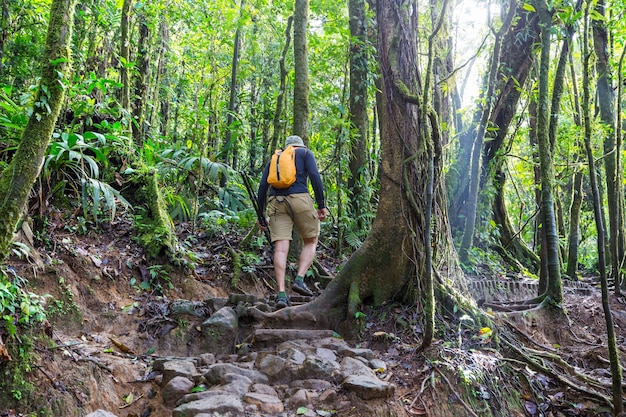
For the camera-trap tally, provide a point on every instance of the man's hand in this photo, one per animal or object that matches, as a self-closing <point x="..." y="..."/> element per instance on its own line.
<point x="262" y="226"/>
<point x="322" y="213"/>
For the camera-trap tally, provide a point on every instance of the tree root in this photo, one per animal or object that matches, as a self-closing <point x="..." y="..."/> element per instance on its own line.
<point x="528" y="356"/>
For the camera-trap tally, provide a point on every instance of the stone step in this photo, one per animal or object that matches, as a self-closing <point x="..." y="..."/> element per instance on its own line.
<point x="283" y="335"/>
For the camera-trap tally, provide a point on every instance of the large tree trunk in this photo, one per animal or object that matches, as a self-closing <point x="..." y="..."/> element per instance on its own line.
<point x="301" y="77"/>
<point x="19" y="177"/>
<point x="391" y="259"/>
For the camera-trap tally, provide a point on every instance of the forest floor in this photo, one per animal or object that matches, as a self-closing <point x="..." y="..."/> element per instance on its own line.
<point x="100" y="346"/>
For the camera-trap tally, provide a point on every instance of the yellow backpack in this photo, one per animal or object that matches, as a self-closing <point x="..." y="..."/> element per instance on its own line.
<point x="283" y="168"/>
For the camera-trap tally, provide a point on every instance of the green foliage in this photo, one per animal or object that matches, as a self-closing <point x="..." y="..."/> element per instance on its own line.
<point x="72" y="168"/>
<point x="20" y="312"/>
<point x="159" y="278"/>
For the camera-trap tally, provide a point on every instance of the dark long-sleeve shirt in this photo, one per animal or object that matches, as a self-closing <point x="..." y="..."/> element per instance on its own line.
<point x="306" y="168"/>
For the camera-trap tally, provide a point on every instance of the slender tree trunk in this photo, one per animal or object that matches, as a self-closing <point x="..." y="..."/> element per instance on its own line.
<point x="141" y="81"/>
<point x="358" y="109"/>
<point x="618" y="150"/>
<point x="614" y="357"/>
<point x="477" y="151"/>
<point x="19" y="177"/>
<point x="4" y="30"/>
<point x="554" y="290"/>
<point x="540" y="236"/>
<point x="574" y="225"/>
<point x="301" y="78"/>
<point x="230" y="150"/>
<point x="161" y="99"/>
<point x="577" y="188"/>
<point x="125" y="55"/>
<point x="279" y="125"/>
<point x="606" y="105"/>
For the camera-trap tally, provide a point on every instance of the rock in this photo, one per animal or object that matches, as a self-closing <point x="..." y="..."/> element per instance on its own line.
<point x="215" y="373"/>
<point x="351" y="366"/>
<point x="293" y="355"/>
<point x="312" y="384"/>
<point x="207" y="359"/>
<point x="235" y="383"/>
<point x="275" y="367"/>
<point x="175" y="389"/>
<point x="298" y="399"/>
<point x="266" y="403"/>
<point x="328" y="396"/>
<point x="225" y="405"/>
<point x="354" y="352"/>
<point x="172" y="369"/>
<point x="263" y="389"/>
<point x="100" y="413"/>
<point x="314" y="367"/>
<point x="325" y="354"/>
<point x="219" y="330"/>
<point x="368" y="387"/>
<point x="378" y="365"/>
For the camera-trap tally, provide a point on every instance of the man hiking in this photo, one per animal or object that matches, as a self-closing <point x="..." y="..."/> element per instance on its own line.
<point x="289" y="206"/>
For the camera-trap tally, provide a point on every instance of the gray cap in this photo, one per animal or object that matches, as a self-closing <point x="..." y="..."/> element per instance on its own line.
<point x="294" y="141"/>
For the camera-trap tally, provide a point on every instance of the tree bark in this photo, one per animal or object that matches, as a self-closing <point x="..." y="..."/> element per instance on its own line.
<point x="614" y="359"/>
<point x="301" y="77"/>
<point x="358" y="110"/>
<point x="125" y="55"/>
<point x="554" y="289"/>
<point x="141" y="82"/>
<point x="606" y="105"/>
<point x="391" y="259"/>
<point x="279" y="125"/>
<point x="477" y="150"/>
<point x="230" y="152"/>
<point x="577" y="190"/>
<point x="19" y="177"/>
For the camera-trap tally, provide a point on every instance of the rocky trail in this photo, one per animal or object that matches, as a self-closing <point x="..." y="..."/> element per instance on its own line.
<point x="114" y="348"/>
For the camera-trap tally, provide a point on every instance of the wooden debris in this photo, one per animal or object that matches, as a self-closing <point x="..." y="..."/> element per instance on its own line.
<point x="121" y="346"/>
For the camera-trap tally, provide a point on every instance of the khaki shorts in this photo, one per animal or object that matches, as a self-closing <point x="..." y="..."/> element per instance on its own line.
<point x="284" y="211"/>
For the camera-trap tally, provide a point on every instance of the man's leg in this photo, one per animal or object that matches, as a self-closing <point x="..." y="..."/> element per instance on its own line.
<point x="281" y="250"/>
<point x="309" y="245"/>
<point x="306" y="259"/>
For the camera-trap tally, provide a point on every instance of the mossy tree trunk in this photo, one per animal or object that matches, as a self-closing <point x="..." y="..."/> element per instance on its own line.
<point x="19" y="177"/>
<point x="554" y="285"/>
<point x="155" y="226"/>
<point x="606" y="104"/>
<point x="125" y="55"/>
<point x="358" y="111"/>
<point x="614" y="356"/>
<point x="279" y="125"/>
<point x="392" y="259"/>
<point x="301" y="76"/>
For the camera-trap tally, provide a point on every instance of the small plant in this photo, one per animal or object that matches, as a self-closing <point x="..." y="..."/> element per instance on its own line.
<point x="159" y="277"/>
<point x="20" y="312"/>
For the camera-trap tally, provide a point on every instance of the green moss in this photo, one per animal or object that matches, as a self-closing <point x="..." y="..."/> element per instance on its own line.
<point x="152" y="220"/>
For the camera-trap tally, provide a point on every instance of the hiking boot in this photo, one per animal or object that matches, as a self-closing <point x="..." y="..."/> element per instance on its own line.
<point x="301" y="288"/>
<point x="282" y="301"/>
